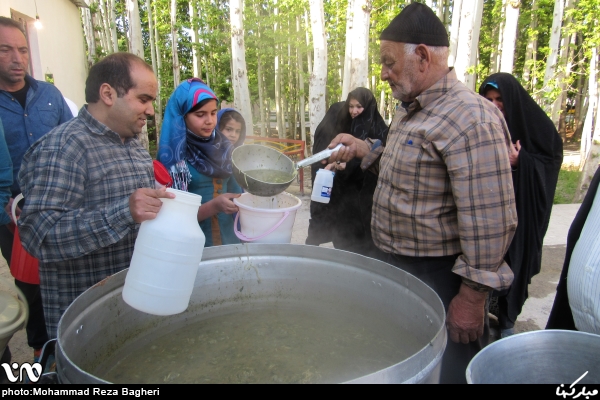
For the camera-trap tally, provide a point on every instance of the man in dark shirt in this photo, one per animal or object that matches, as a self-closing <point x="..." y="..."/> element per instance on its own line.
<point x="28" y="109"/>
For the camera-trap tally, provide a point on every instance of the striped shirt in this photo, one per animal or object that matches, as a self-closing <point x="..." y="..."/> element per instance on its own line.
<point x="583" y="279"/>
<point x="77" y="180"/>
<point x="445" y="184"/>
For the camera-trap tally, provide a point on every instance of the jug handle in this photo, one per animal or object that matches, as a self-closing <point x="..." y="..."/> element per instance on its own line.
<point x="245" y="238"/>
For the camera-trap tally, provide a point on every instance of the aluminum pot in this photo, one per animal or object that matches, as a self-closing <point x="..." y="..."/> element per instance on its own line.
<point x="99" y="323"/>
<point x="545" y="356"/>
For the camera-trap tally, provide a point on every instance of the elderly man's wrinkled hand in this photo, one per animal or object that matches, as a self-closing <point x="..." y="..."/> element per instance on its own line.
<point x="466" y="313"/>
<point x="353" y="148"/>
<point x="144" y="204"/>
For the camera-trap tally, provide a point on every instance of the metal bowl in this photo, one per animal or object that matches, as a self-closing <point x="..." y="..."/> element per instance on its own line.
<point x="546" y="356"/>
<point x="251" y="157"/>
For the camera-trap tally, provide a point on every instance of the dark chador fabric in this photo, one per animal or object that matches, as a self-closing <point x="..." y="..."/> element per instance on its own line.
<point x="346" y="219"/>
<point x="534" y="179"/>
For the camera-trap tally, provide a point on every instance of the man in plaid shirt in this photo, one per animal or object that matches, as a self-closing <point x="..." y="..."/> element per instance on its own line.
<point x="444" y="207"/>
<point x="89" y="183"/>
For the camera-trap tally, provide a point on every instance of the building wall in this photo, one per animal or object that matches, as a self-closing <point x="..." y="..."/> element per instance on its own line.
<point x="59" y="47"/>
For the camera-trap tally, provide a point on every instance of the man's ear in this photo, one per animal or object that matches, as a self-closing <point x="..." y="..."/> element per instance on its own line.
<point x="108" y="95"/>
<point x="424" y="56"/>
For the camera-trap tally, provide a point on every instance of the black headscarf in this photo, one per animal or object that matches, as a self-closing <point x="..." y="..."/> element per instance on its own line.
<point x="346" y="220"/>
<point x="534" y="180"/>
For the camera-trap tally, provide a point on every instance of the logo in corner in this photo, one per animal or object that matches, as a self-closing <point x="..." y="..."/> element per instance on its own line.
<point x="33" y="371"/>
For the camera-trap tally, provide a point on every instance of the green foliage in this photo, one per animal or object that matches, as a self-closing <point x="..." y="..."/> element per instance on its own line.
<point x="269" y="34"/>
<point x="568" y="180"/>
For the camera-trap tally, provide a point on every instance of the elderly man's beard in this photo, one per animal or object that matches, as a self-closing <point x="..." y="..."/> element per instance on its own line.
<point x="403" y="88"/>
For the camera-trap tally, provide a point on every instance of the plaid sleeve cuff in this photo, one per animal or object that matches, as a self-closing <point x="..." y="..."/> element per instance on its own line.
<point x="371" y="161"/>
<point x="475" y="278"/>
<point x="118" y="215"/>
<point x="478" y="287"/>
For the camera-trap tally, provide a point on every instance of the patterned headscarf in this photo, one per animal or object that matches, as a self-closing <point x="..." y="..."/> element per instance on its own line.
<point x="209" y="156"/>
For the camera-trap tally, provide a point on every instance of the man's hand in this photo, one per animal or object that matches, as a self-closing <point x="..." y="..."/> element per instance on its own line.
<point x="9" y="210"/>
<point x="353" y="148"/>
<point x="466" y="314"/>
<point x="513" y="156"/>
<point x="145" y="203"/>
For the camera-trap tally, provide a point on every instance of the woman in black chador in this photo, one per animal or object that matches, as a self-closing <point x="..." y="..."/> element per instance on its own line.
<point x="536" y="158"/>
<point x="346" y="219"/>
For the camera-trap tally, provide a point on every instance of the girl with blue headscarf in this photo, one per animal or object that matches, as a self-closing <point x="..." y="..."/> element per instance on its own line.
<point x="198" y="157"/>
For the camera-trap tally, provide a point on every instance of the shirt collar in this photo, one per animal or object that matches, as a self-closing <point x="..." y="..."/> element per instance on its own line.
<point x="434" y="92"/>
<point x="32" y="82"/>
<point x="96" y="126"/>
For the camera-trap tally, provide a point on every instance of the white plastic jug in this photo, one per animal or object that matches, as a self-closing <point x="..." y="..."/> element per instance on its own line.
<point x="166" y="256"/>
<point x="322" y="186"/>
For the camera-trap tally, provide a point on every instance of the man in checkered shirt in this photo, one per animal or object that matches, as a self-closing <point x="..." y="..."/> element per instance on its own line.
<point x="444" y="207"/>
<point x="89" y="183"/>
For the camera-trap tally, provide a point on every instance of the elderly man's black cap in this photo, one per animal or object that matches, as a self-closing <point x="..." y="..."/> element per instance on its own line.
<point x="416" y="24"/>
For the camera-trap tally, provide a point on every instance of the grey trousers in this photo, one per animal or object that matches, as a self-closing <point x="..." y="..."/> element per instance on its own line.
<point x="437" y="273"/>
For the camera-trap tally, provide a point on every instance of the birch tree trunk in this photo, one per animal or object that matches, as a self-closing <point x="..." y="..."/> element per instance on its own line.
<point x="241" y="93"/>
<point x="496" y="56"/>
<point x="155" y="67"/>
<point x="586" y="134"/>
<point x="174" y="36"/>
<point x="106" y="14"/>
<point x="113" y="27"/>
<point x="301" y="93"/>
<point x="137" y="48"/>
<point x="511" y="12"/>
<point x="557" y="17"/>
<point x="447" y="16"/>
<point x="454" y="30"/>
<point x="261" y="97"/>
<point x="357" y="33"/>
<point x="89" y="35"/>
<point x="194" y="37"/>
<point x="531" y="53"/>
<point x="468" y="39"/>
<point x="440" y="11"/>
<point x="562" y="73"/>
<point x="593" y="151"/>
<point x="309" y="63"/>
<point x="348" y="51"/>
<point x="278" y="107"/>
<point x="105" y="28"/>
<point x="97" y="23"/>
<point x="318" y="78"/>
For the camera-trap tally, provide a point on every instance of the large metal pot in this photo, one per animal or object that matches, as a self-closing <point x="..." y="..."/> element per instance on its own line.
<point x="99" y="323"/>
<point x="545" y="356"/>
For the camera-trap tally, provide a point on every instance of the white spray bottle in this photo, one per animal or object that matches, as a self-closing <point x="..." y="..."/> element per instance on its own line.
<point x="322" y="186"/>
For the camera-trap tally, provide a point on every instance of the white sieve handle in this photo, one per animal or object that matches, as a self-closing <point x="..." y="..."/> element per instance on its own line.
<point x="13" y="208"/>
<point x="318" y="157"/>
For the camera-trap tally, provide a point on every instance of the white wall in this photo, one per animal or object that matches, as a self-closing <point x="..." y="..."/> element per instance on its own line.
<point x="59" y="47"/>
